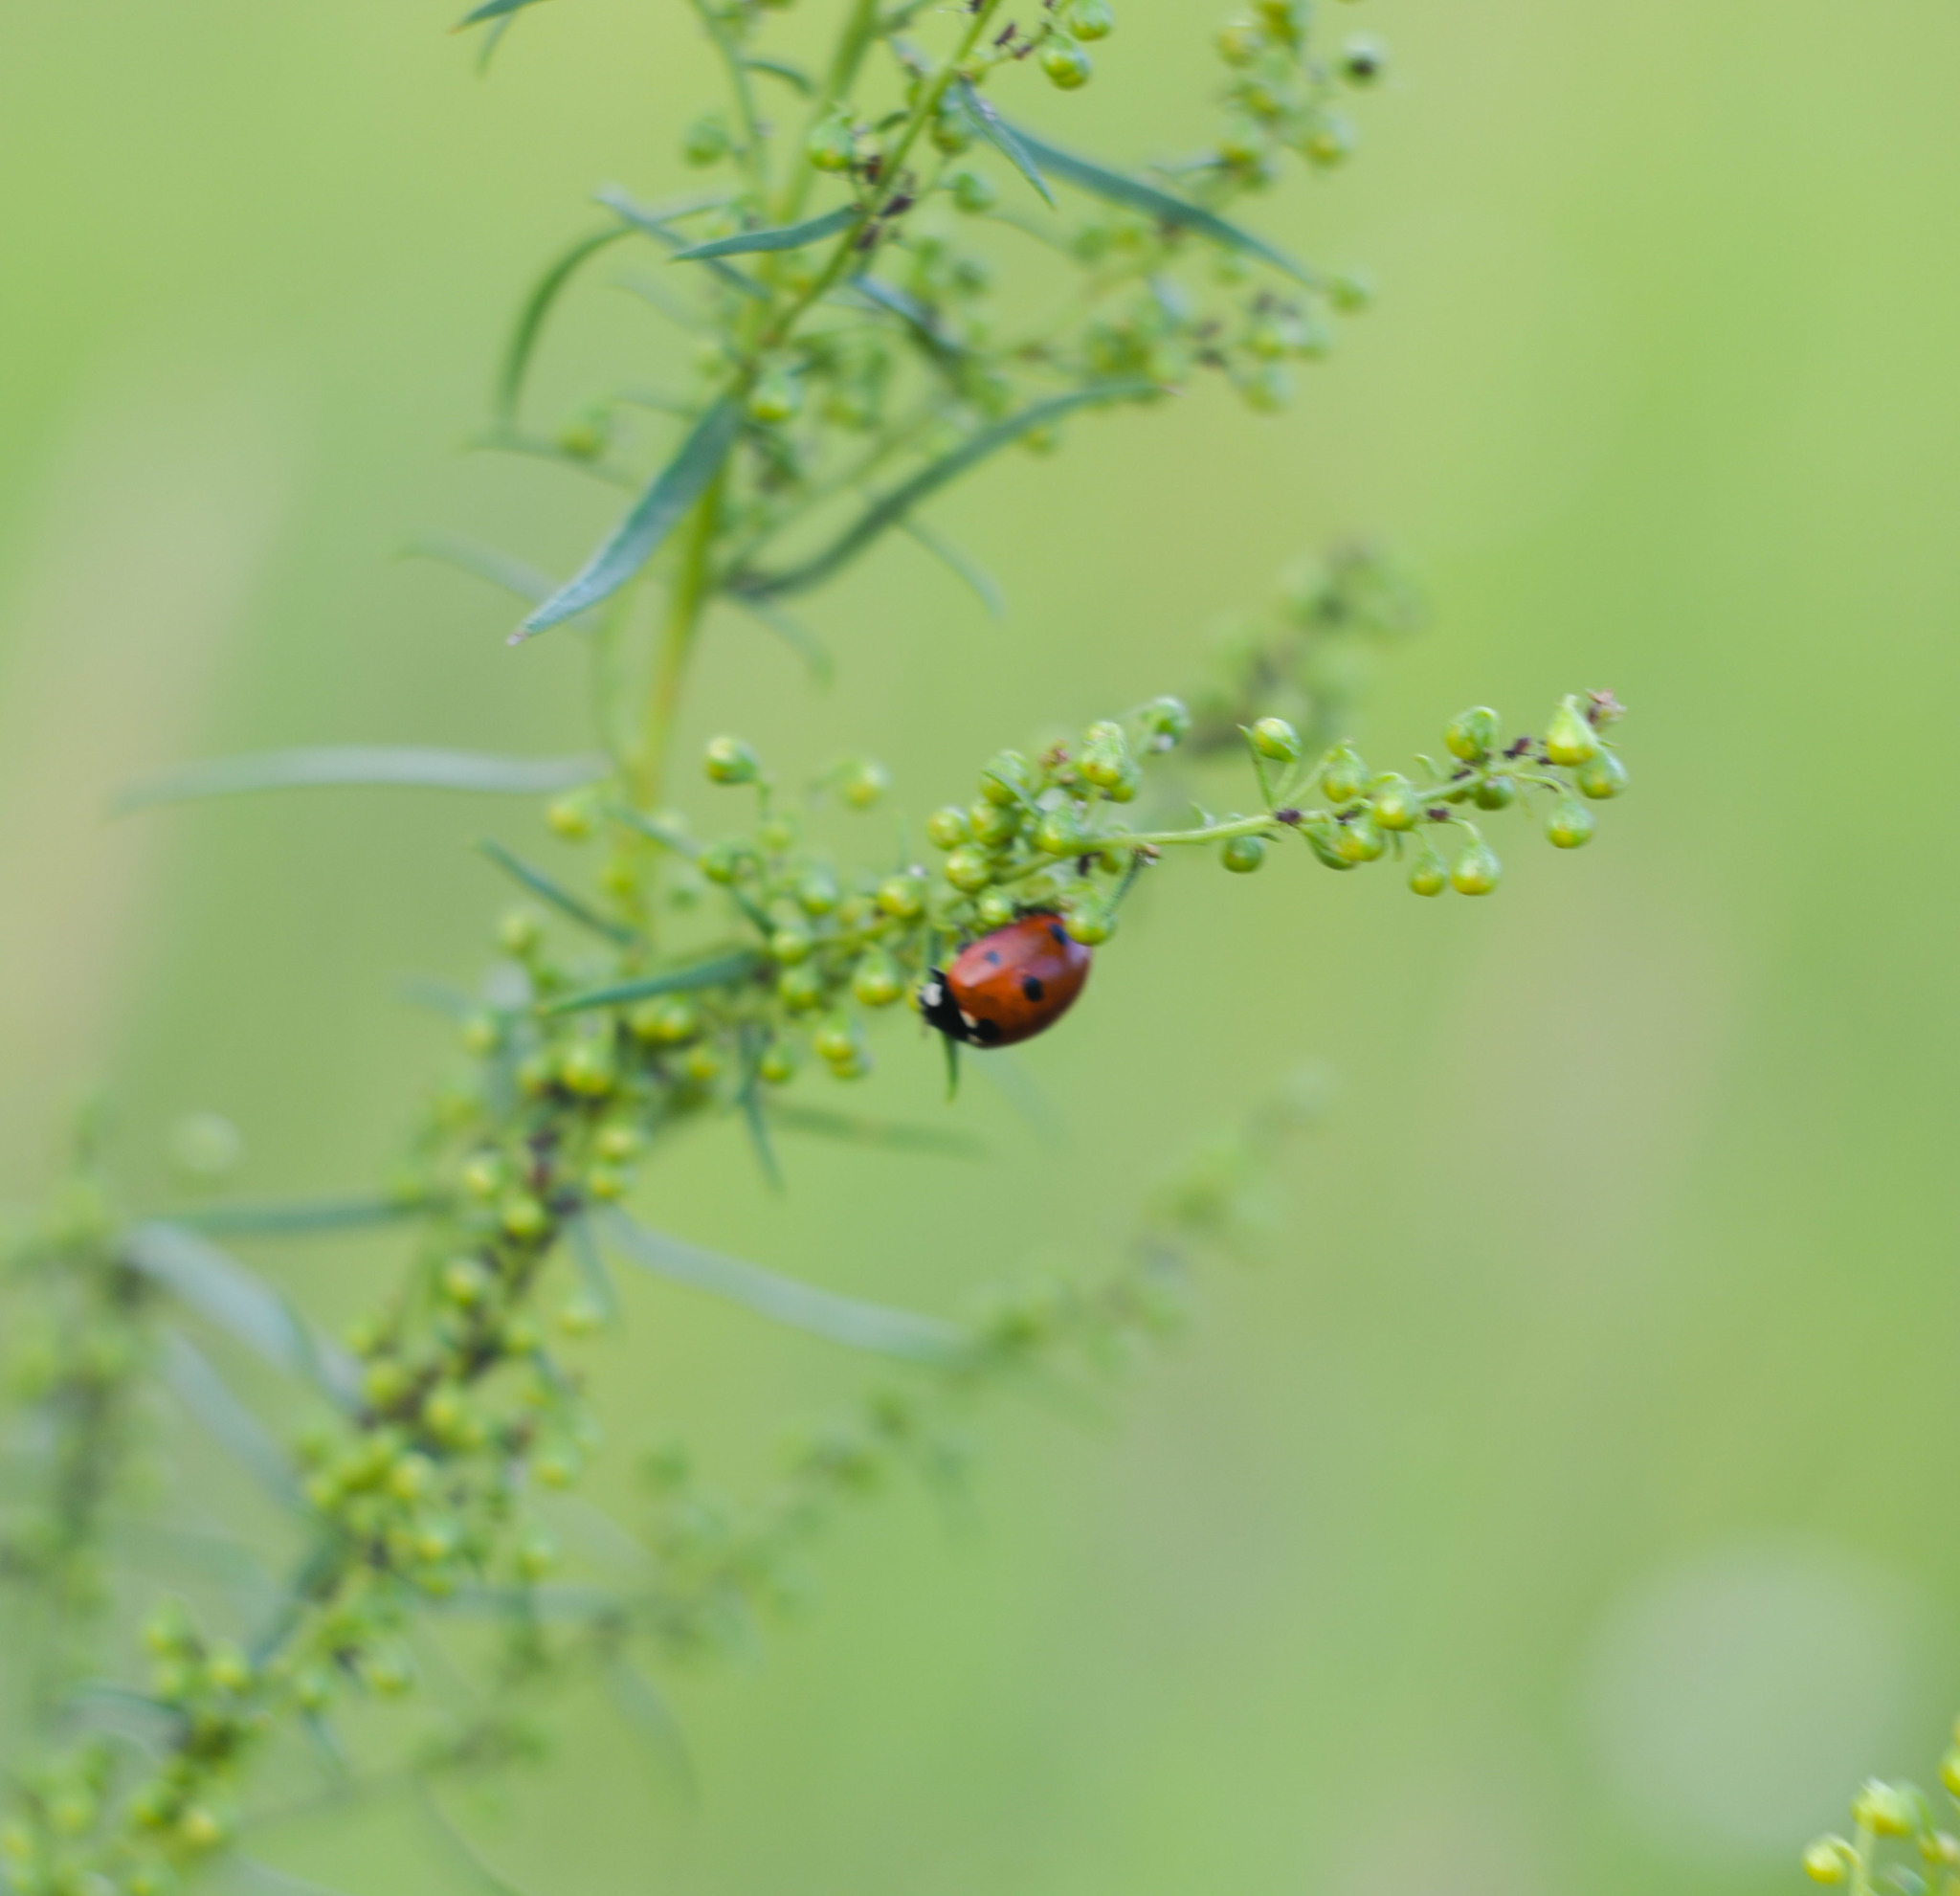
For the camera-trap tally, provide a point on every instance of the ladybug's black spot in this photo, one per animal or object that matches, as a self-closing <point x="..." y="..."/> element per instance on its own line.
<point x="994" y="957"/>
<point x="1033" y="989"/>
<point x="986" y="1031"/>
<point x="1055" y="928"/>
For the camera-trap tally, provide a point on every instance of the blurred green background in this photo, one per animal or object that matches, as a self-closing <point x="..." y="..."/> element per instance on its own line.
<point x="1566" y="1502"/>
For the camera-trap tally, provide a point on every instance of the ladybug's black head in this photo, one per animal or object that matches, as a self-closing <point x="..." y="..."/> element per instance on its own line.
<point x="940" y="1010"/>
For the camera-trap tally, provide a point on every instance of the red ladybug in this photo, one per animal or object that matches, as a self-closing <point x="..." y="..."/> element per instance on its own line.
<point x="1007" y="986"/>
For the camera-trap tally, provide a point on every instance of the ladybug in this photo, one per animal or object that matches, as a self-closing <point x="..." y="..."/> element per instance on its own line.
<point x="1007" y="986"/>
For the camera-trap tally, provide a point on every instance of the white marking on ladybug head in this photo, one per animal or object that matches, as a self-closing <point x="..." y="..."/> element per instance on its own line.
<point x="932" y="993"/>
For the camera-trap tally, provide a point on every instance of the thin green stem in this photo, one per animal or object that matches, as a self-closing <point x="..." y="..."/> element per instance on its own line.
<point x="755" y="158"/>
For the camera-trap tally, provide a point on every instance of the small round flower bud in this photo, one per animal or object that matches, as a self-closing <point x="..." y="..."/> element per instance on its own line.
<point x="608" y="1182"/>
<point x="1342" y="774"/>
<point x="665" y="1022"/>
<point x="728" y="760"/>
<point x="973" y="192"/>
<point x="876" y="981"/>
<point x="1240" y="43"/>
<point x="994" y="823"/>
<point x="1009" y="779"/>
<point x="776" y="398"/>
<point x="777" y="1065"/>
<point x="1360" y="840"/>
<point x="862" y="781"/>
<point x="702" y="1063"/>
<point x="588" y="1068"/>
<point x="1105" y="759"/>
<point x="483" y="1176"/>
<point x="1475" y="872"/>
<point x="799" y="989"/>
<point x="389" y="1671"/>
<point x="994" y="909"/>
<point x="1602" y="776"/>
<point x="1088" y="920"/>
<point x="1884" y="1809"/>
<point x="777" y="833"/>
<point x="1472" y="733"/>
<point x="835" y="1040"/>
<point x="1569" y="825"/>
<point x="953" y="130"/>
<point x="1276" y="739"/>
<point x="1394" y="804"/>
<point x="707" y="142"/>
<point x="1824" y="1861"/>
<point x="902" y="897"/>
<point x="1060" y="832"/>
<point x="1497" y="792"/>
<point x="816" y="891"/>
<point x="1089" y="19"/>
<point x="1331" y="142"/>
<point x="968" y="868"/>
<point x="1950" y="1771"/>
<point x="1569" y="741"/>
<point x="521" y="1215"/>
<point x="574" y="816"/>
<point x="1066" y="65"/>
<point x="411" y="1476"/>
<point x="559" y="1467"/>
<point x="537" y="1554"/>
<point x="1166" y="723"/>
<point x="830" y="145"/>
<point x="579" y="1317"/>
<point x="724" y="862"/>
<point x="947" y="827"/>
<point x="465" y="1281"/>
<point x="791" y="945"/>
<point x="1427" y="875"/>
<point x="1242" y="855"/>
<point x="520" y="931"/>
<point x="200" y="1828"/>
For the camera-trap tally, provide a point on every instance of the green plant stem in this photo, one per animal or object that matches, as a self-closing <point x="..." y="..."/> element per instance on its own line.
<point x="855" y="41"/>
<point x="755" y="159"/>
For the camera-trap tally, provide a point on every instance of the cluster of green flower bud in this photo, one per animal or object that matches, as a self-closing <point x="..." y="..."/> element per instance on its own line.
<point x="1285" y="94"/>
<point x="1892" y="1814"/>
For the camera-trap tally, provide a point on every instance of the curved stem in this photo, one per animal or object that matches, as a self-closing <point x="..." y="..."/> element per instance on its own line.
<point x="686" y="603"/>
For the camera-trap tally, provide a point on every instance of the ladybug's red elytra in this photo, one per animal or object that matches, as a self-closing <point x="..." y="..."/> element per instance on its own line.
<point x="1007" y="986"/>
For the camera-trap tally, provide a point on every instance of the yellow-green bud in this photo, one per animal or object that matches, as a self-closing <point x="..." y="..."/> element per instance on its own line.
<point x="1497" y="792"/>
<point x="1090" y="19"/>
<point x="1569" y="741"/>
<point x="902" y="897"/>
<point x="947" y="827"/>
<point x="973" y="192"/>
<point x="1342" y="774"/>
<point x="777" y="1064"/>
<point x="876" y="981"/>
<point x="835" y="1041"/>
<point x="791" y="946"/>
<point x="1008" y="780"/>
<point x="1060" y="832"/>
<point x="1884" y="1809"/>
<point x="1088" y="920"/>
<point x="1824" y="1861"/>
<point x="1360" y="839"/>
<point x="728" y="760"/>
<point x="483" y="1176"/>
<point x="1394" y="804"/>
<point x="968" y="869"/>
<point x="830" y="145"/>
<point x="994" y="823"/>
<point x="465" y="1281"/>
<point x="703" y="1062"/>
<point x="1242" y="855"/>
<point x="1477" y="871"/>
<point x="411" y="1476"/>
<point x="862" y="781"/>
<point x="1571" y="824"/>
<point x="522" y="1216"/>
<point x="799" y="989"/>
<point x="1276" y="739"/>
<point x="1066" y="65"/>
<point x="666" y="1020"/>
<point x="575" y="816"/>
<point x="776" y="398"/>
<point x="588" y="1068"/>
<point x="1472" y="733"/>
<point x="995" y="909"/>
<point x="1427" y="875"/>
<point x="520" y="931"/>
<point x="816" y="891"/>
<point x="1602" y="776"/>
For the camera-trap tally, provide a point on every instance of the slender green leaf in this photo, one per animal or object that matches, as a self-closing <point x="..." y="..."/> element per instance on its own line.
<point x="783" y="1300"/>
<point x="924" y="322"/>
<point x="487" y="48"/>
<point x="782" y="69"/>
<point x="241" y="1302"/>
<point x="749" y="1099"/>
<point x="794" y="633"/>
<point x="373" y="767"/>
<point x="486" y="562"/>
<point x="645" y="1710"/>
<point x="1134" y="194"/>
<point x="1003" y="137"/>
<point x="982" y="583"/>
<point x="784" y="236"/>
<point x="530" y="318"/>
<point x="887" y="512"/>
<point x="204" y="1393"/>
<point x="594" y="1269"/>
<point x="719" y="971"/>
<point x="655" y="223"/>
<point x="823" y="1123"/>
<point x="301" y="1219"/>
<point x="492" y="9"/>
<point x="559" y="897"/>
<point x="673" y="490"/>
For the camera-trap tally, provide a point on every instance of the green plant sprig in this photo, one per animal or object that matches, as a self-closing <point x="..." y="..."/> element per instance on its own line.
<point x="1897" y="1846"/>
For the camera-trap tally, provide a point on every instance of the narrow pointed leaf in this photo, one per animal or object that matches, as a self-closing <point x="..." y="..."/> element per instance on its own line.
<point x="1134" y="194"/>
<point x="1004" y="138"/>
<point x="819" y="1122"/>
<point x="783" y="1300"/>
<point x="655" y="223"/>
<point x="784" y="236"/>
<point x="979" y="581"/>
<point x="673" y="490"/>
<point x="485" y="563"/>
<point x="530" y="318"/>
<point x="492" y="9"/>
<point x="782" y="69"/>
<point x="299" y="1219"/>
<point x="365" y="766"/>
<point x="716" y="972"/>
<point x="594" y="1269"/>
<point x="241" y="1302"/>
<point x="491" y="40"/>
<point x="887" y="512"/>
<point x="920" y="320"/>
<point x="749" y="1100"/>
<point x="794" y="633"/>
<point x="559" y="897"/>
<point x="204" y="1393"/>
